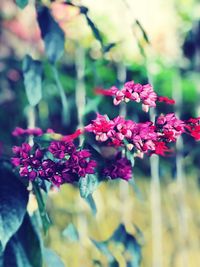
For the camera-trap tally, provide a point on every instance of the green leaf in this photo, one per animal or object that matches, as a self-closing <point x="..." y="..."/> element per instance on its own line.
<point x="13" y="202"/>
<point x="32" y="70"/>
<point x="71" y="233"/>
<point x="87" y="185"/>
<point x="22" y="3"/>
<point x="52" y="34"/>
<point x="52" y="259"/>
<point x="24" y="248"/>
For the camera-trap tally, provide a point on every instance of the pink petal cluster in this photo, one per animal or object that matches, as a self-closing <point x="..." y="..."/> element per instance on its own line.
<point x="143" y="137"/>
<point x="135" y="92"/>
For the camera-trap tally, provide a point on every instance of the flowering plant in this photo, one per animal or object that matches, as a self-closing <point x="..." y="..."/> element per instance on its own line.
<point x="103" y="148"/>
<point x="61" y="161"/>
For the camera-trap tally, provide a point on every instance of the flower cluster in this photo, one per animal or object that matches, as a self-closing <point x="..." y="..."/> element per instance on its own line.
<point x="30" y="131"/>
<point x="119" y="167"/>
<point x="137" y="93"/>
<point x="143" y="137"/>
<point x="61" y="163"/>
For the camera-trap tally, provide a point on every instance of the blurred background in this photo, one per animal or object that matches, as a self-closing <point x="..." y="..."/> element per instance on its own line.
<point x="156" y="41"/>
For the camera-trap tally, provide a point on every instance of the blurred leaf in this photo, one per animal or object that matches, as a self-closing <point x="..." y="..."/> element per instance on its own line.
<point x="87" y="185"/>
<point x="13" y="202"/>
<point x="42" y="208"/>
<point x="71" y="233"/>
<point x="92" y="204"/>
<point x="65" y="107"/>
<point x="92" y="105"/>
<point x="22" y="3"/>
<point x="52" y="34"/>
<point x="143" y="31"/>
<point x="131" y="245"/>
<point x="32" y="70"/>
<point x="132" y="253"/>
<point x="103" y="247"/>
<point x="24" y="248"/>
<point x="52" y="259"/>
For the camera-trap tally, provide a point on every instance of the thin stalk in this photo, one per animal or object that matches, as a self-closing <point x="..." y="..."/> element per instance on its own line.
<point x="80" y="94"/>
<point x="42" y="208"/>
<point x="31" y="118"/>
<point x="121" y="76"/>
<point x="155" y="197"/>
<point x="123" y="187"/>
<point x="65" y="106"/>
<point x="80" y="98"/>
<point x="181" y="182"/>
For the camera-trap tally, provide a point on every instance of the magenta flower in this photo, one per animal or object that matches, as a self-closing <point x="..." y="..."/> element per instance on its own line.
<point x="30" y="131"/>
<point x="27" y="162"/>
<point x="120" y="167"/>
<point x="60" y="149"/>
<point x="67" y="165"/>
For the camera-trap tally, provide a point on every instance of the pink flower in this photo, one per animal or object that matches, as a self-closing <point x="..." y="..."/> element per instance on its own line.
<point x="102" y="127"/>
<point x="136" y="92"/>
<point x="193" y="127"/>
<point x="166" y="100"/>
<point x="161" y="148"/>
<point x="71" y="137"/>
<point x="170" y="126"/>
<point x="148" y="96"/>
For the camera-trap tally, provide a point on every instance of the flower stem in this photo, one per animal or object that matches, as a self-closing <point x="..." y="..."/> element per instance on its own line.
<point x="65" y="106"/>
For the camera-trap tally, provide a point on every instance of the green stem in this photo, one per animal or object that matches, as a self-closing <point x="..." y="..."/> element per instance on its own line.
<point x="42" y="208"/>
<point x="65" y="107"/>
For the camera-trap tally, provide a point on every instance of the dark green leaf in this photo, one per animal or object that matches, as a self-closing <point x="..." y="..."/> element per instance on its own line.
<point x="94" y="29"/>
<point x="71" y="233"/>
<point x="22" y="3"/>
<point x="87" y="185"/>
<point x="130" y="243"/>
<point x="52" y="259"/>
<point x="13" y="202"/>
<point x="143" y="31"/>
<point x="32" y="70"/>
<point x="107" y="47"/>
<point x="24" y="248"/>
<point x="52" y="34"/>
